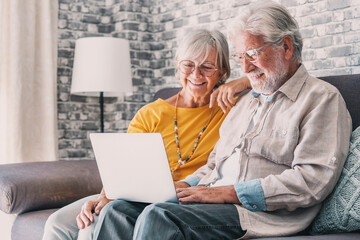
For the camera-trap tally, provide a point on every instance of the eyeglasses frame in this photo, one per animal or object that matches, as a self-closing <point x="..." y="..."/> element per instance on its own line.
<point x="239" y="57"/>
<point x="215" y="69"/>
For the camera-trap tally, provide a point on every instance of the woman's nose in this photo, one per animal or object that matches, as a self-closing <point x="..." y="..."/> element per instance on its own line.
<point x="196" y="71"/>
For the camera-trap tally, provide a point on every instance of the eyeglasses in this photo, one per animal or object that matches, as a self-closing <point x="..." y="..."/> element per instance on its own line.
<point x="251" y="55"/>
<point x="188" y="66"/>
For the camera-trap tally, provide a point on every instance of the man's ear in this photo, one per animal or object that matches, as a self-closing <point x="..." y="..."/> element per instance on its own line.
<point x="288" y="47"/>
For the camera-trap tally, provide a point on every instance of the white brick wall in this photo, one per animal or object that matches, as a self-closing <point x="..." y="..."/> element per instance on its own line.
<point x="330" y="28"/>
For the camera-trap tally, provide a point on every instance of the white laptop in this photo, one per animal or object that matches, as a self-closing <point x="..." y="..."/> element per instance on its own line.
<point x="134" y="166"/>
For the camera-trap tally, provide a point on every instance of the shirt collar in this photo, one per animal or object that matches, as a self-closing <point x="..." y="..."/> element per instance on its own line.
<point x="292" y="87"/>
<point x="268" y="98"/>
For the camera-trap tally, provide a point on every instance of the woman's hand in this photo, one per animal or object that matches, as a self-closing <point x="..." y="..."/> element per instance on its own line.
<point x="202" y="194"/>
<point x="86" y="216"/>
<point x="224" y="95"/>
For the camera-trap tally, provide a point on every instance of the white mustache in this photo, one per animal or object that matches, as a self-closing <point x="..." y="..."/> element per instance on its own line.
<point x="255" y="73"/>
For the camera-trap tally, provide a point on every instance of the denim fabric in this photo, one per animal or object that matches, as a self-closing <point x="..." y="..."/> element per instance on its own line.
<point x="117" y="220"/>
<point x="131" y="220"/>
<point x="251" y="195"/>
<point x="191" y="180"/>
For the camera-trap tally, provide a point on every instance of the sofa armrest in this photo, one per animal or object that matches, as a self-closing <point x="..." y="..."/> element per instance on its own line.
<point x="42" y="185"/>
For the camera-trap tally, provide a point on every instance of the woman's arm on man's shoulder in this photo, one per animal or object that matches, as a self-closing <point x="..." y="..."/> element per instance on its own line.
<point x="224" y="95"/>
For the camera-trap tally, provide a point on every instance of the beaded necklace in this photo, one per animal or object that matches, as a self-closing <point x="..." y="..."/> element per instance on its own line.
<point x="180" y="161"/>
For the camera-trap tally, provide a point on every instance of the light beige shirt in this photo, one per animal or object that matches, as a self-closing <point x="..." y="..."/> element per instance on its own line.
<point x="297" y="150"/>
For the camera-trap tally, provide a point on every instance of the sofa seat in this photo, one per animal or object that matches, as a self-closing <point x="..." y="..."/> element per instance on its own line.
<point x="30" y="225"/>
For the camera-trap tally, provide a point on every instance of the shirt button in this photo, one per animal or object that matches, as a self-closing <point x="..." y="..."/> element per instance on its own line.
<point x="254" y="206"/>
<point x="244" y="149"/>
<point x="333" y="158"/>
<point x="284" y="132"/>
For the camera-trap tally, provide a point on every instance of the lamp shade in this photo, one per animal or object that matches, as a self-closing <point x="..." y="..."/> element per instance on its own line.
<point x="101" y="64"/>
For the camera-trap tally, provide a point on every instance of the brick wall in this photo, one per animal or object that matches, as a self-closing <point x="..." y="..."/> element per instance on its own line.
<point x="330" y="28"/>
<point x="76" y="115"/>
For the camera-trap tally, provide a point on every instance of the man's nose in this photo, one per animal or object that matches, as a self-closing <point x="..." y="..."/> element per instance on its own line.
<point x="246" y="66"/>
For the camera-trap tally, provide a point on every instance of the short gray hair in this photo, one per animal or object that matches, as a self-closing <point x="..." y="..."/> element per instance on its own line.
<point x="199" y="43"/>
<point x="270" y="20"/>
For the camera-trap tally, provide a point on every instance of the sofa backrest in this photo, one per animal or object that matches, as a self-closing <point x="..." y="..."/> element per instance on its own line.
<point x="165" y="93"/>
<point x="348" y="85"/>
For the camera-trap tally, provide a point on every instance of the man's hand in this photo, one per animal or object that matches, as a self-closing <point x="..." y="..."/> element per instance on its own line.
<point x="181" y="185"/>
<point x="86" y="217"/>
<point x="224" y="95"/>
<point x="201" y="194"/>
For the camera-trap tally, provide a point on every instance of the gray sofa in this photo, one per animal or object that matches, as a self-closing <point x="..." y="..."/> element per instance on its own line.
<point x="33" y="191"/>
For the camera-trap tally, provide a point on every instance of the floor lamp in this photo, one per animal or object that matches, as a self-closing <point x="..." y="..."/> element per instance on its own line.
<point x="101" y="68"/>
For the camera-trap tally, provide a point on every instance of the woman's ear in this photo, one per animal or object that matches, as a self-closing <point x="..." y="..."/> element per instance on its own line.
<point x="221" y="76"/>
<point x="288" y="47"/>
<point x="222" y="73"/>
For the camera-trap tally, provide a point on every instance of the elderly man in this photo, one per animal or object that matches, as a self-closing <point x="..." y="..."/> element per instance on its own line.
<point x="280" y="153"/>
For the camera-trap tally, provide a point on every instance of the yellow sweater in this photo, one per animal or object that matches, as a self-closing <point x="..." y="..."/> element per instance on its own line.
<point x="159" y="116"/>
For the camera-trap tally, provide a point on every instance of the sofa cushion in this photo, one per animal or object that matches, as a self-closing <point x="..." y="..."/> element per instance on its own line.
<point x="341" y="210"/>
<point x="42" y="185"/>
<point x="30" y="226"/>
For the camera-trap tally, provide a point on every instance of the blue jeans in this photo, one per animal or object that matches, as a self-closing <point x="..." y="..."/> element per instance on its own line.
<point x="132" y="220"/>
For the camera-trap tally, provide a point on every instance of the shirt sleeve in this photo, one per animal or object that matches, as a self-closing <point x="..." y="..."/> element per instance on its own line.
<point x="251" y="195"/>
<point x="191" y="180"/>
<point x="141" y="122"/>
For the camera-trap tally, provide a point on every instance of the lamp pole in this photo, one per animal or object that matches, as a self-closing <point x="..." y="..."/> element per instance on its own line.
<point x="101" y="101"/>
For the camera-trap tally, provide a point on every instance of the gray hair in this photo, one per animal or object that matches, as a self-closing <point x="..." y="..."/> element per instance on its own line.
<point x="198" y="44"/>
<point x="270" y="20"/>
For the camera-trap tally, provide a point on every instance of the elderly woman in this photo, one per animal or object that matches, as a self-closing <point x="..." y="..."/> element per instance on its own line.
<point x="189" y="123"/>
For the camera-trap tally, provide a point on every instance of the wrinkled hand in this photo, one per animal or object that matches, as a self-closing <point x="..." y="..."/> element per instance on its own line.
<point x="201" y="194"/>
<point x="224" y="95"/>
<point x="86" y="216"/>
<point x="181" y="185"/>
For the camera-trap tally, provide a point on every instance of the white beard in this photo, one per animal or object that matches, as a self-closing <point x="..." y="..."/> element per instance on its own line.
<point x="273" y="80"/>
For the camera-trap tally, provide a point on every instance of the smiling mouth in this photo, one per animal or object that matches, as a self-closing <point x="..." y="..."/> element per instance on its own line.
<point x="197" y="84"/>
<point x="256" y="76"/>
